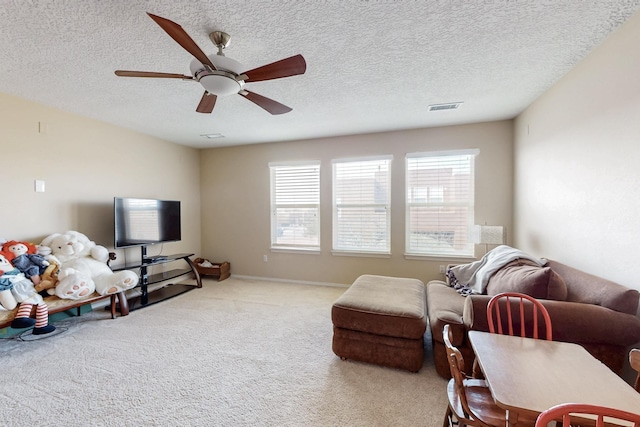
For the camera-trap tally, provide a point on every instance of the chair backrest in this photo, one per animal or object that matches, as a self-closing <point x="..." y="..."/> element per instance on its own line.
<point x="456" y="366"/>
<point x="634" y="361"/>
<point x="564" y="413"/>
<point x="504" y="305"/>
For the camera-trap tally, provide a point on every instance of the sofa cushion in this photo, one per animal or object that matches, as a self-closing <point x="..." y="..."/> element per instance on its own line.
<point x="528" y="278"/>
<point x="382" y="305"/>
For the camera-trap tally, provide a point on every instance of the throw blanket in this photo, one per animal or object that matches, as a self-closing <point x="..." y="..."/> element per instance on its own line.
<point x="473" y="278"/>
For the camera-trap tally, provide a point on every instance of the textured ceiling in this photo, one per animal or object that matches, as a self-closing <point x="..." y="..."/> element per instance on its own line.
<point x="371" y="65"/>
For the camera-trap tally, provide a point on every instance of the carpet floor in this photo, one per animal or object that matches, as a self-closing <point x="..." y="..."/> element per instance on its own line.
<point x="235" y="353"/>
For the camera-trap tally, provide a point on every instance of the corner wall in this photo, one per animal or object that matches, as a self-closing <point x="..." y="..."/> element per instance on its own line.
<point x="577" y="164"/>
<point x="236" y="205"/>
<point x="84" y="164"/>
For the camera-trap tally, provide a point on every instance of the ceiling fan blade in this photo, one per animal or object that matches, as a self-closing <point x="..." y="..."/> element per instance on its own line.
<point x="270" y="105"/>
<point x="125" y="73"/>
<point x="207" y="103"/>
<point x="287" y="67"/>
<point x="180" y="35"/>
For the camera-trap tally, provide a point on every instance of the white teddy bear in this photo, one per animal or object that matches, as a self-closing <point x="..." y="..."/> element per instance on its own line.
<point x="83" y="267"/>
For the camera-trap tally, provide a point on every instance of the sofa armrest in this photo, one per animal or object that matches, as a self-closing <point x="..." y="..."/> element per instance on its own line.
<point x="571" y="322"/>
<point x="444" y="307"/>
<point x="475" y="313"/>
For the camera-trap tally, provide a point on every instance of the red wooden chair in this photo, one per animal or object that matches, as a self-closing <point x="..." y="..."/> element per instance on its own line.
<point x="500" y="310"/>
<point x="567" y="412"/>
<point x="634" y="361"/>
<point x="496" y="310"/>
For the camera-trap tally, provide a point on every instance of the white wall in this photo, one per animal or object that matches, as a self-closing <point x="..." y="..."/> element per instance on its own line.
<point x="577" y="164"/>
<point x="236" y="211"/>
<point x="84" y="164"/>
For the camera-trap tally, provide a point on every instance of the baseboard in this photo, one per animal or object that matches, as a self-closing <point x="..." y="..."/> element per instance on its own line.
<point x="303" y="282"/>
<point x="135" y="292"/>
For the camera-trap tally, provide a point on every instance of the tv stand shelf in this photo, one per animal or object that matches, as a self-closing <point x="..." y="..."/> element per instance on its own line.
<point x="167" y="275"/>
<point x="146" y="279"/>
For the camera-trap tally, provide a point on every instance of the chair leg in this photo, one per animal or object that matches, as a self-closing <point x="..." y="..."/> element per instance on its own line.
<point x="448" y="422"/>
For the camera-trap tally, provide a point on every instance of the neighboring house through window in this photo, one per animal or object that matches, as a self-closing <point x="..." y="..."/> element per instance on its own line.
<point x="295" y="205"/>
<point x="440" y="203"/>
<point x="361" y="205"/>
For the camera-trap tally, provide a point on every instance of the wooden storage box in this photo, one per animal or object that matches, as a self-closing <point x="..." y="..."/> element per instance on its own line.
<point x="220" y="270"/>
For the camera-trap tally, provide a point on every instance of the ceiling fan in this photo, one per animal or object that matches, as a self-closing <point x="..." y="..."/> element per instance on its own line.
<point x="222" y="76"/>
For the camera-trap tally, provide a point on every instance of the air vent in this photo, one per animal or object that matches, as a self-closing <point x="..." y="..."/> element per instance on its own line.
<point x="448" y="106"/>
<point x="212" y="135"/>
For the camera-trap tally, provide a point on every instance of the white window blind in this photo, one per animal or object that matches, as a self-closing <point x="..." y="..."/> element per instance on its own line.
<point x="295" y="206"/>
<point x="440" y="203"/>
<point x="361" y="205"/>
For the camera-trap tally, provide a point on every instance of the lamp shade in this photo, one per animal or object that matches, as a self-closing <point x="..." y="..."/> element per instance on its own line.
<point x="489" y="234"/>
<point x="492" y="234"/>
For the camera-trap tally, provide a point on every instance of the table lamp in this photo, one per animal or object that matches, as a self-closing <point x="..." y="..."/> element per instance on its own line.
<point x="489" y="235"/>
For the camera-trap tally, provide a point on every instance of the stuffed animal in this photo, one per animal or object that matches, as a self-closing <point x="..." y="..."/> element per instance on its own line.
<point x="49" y="279"/>
<point x="23" y="256"/>
<point x="25" y="294"/>
<point x="83" y="267"/>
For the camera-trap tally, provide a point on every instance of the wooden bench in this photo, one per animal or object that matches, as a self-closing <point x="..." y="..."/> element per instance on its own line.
<point x="118" y="302"/>
<point x="57" y="305"/>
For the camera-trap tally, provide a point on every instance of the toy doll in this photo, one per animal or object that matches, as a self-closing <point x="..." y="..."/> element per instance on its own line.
<point x="25" y="294"/>
<point x="23" y="256"/>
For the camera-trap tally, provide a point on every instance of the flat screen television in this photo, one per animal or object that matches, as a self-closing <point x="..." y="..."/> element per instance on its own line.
<point x="141" y="222"/>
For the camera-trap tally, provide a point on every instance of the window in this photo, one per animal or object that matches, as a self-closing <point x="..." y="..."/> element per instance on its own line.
<point x="361" y="211"/>
<point x="440" y="203"/>
<point x="295" y="205"/>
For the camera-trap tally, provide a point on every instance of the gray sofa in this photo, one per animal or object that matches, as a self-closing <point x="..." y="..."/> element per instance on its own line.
<point x="596" y="313"/>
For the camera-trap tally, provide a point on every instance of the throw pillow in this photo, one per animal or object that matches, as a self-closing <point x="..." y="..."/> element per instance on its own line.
<point x="528" y="278"/>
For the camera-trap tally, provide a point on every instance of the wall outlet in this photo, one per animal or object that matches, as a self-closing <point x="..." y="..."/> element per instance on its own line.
<point x="265" y="258"/>
<point x="442" y="269"/>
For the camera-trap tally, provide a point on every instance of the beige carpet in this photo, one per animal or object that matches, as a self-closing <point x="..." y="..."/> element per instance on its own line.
<point x="235" y="353"/>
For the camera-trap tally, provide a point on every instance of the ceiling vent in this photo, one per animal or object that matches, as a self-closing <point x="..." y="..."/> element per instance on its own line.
<point x="448" y="106"/>
<point x="212" y="135"/>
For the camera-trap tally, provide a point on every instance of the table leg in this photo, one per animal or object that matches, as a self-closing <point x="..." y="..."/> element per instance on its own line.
<point x="512" y="418"/>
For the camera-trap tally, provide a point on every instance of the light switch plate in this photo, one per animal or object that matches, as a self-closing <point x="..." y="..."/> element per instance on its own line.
<point x="39" y="186"/>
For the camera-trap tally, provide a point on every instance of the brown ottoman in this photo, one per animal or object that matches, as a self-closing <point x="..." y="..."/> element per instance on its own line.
<point x="381" y="320"/>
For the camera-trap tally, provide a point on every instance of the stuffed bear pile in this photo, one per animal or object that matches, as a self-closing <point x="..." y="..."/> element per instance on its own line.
<point x="83" y="268"/>
<point x="67" y="265"/>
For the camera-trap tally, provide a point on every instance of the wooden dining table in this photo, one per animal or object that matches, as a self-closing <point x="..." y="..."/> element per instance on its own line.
<point x="528" y="376"/>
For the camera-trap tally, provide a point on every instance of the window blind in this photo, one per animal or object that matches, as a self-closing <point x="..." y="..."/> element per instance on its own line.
<point x="295" y="206"/>
<point x="440" y="203"/>
<point x="361" y="205"/>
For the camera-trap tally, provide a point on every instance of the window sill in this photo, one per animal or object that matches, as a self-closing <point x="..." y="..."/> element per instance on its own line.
<point x="292" y="250"/>
<point x="361" y="254"/>
<point x="441" y="258"/>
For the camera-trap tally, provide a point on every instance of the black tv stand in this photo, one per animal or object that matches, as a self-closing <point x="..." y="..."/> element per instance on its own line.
<point x="147" y="298"/>
<point x="159" y="295"/>
<point x="154" y="258"/>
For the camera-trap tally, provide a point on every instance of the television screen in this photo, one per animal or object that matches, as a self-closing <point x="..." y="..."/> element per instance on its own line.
<point x="145" y="221"/>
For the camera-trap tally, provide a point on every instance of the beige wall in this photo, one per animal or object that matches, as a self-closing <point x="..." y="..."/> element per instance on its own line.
<point x="577" y="164"/>
<point x="236" y="211"/>
<point x="84" y="164"/>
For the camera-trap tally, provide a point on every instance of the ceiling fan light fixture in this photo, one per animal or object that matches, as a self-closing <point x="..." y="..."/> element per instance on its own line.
<point x="219" y="85"/>
<point x="222" y="76"/>
<point x="221" y="81"/>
